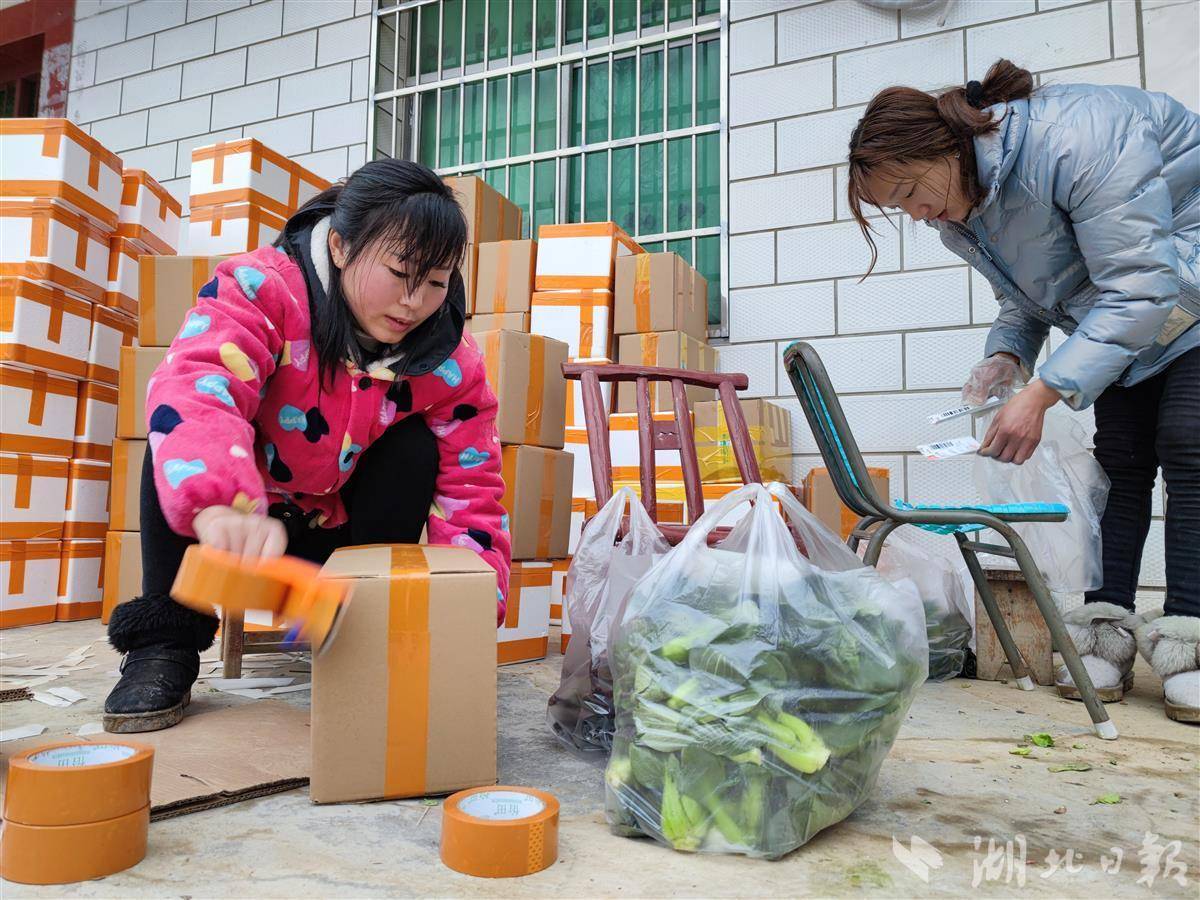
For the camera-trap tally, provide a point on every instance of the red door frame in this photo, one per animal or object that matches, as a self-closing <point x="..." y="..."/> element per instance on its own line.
<point x="54" y="20"/>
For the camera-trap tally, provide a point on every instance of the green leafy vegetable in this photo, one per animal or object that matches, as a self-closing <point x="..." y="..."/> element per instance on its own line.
<point x="1107" y="799"/>
<point x="1041" y="739"/>
<point x="1021" y="751"/>
<point x="1071" y="767"/>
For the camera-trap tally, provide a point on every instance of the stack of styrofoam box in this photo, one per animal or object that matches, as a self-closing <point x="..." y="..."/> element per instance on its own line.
<point x="60" y="339"/>
<point x="242" y="193"/>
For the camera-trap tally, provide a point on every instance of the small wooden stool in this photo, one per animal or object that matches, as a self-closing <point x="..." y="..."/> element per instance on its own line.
<point x="236" y="642"/>
<point x="1029" y="631"/>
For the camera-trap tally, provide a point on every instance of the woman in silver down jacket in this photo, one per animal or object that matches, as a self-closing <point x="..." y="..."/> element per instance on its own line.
<point x="1080" y="204"/>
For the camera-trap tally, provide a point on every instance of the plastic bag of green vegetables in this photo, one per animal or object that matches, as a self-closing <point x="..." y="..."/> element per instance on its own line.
<point x="938" y="576"/>
<point x="757" y="692"/>
<point x="602" y="574"/>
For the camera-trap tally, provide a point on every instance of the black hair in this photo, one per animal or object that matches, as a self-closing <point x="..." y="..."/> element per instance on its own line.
<point x="398" y="206"/>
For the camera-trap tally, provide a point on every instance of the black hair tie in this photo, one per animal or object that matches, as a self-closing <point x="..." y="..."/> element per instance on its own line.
<point x="975" y="94"/>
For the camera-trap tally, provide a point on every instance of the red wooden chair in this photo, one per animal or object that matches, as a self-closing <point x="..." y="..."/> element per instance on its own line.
<point x="655" y="435"/>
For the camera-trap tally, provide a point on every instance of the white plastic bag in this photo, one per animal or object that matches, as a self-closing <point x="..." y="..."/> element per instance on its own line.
<point x="940" y="579"/>
<point x="757" y="691"/>
<point x="603" y="572"/>
<point x="1061" y="470"/>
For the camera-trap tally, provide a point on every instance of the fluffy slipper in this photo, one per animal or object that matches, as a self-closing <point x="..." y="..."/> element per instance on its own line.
<point x="1171" y="644"/>
<point x="1103" y="635"/>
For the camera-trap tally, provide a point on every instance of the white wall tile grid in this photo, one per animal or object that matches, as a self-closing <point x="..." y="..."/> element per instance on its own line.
<point x="898" y="344"/>
<point x="154" y="79"/>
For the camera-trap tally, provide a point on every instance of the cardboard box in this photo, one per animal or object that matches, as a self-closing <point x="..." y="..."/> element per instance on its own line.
<point x="137" y="365"/>
<point x="576" y="443"/>
<point x="490" y="217"/>
<point x="33" y="497"/>
<point x="167" y="290"/>
<point x="80" y="581"/>
<point x="581" y="318"/>
<point x="148" y="214"/>
<point x="111" y="330"/>
<point x="55" y="159"/>
<point x="656" y="292"/>
<point x="122" y="570"/>
<point x="95" y="421"/>
<point x="575" y="414"/>
<point x="558" y="588"/>
<point x="525" y="633"/>
<point x="669" y="350"/>
<point x="42" y="327"/>
<point x="122" y="293"/>
<point x="86" y="508"/>
<point x="232" y="228"/>
<point x="404" y="694"/>
<point x="770" y="431"/>
<point x="47" y="241"/>
<point x="246" y="171"/>
<point x="512" y="321"/>
<point x="125" y="506"/>
<point x="581" y="255"/>
<point x="504" y="276"/>
<point x="29" y="573"/>
<point x="537" y="498"/>
<point x="700" y="293"/>
<point x="623" y="442"/>
<point x="821" y="499"/>
<point x="525" y="371"/>
<point x="37" y="412"/>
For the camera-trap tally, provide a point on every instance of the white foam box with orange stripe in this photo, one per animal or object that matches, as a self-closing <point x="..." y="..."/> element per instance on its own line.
<point x="80" y="580"/>
<point x="576" y="444"/>
<point x="669" y="350"/>
<point x="581" y="255"/>
<point x="558" y="588"/>
<point x="43" y="327"/>
<point x="29" y="582"/>
<point x="55" y="159"/>
<point x="524" y="635"/>
<point x="111" y="330"/>
<point x="525" y="372"/>
<point x="167" y="290"/>
<point x="575" y="415"/>
<point x="231" y="228"/>
<point x="248" y="172"/>
<point x="49" y="242"/>
<point x="149" y="214"/>
<point x="37" y="412"/>
<point x="580" y="317"/>
<point x="33" y="496"/>
<point x="659" y="292"/>
<point x="95" y="421"/>
<point x="122" y="293"/>
<point x="564" y="634"/>
<point x="537" y="500"/>
<point x="623" y="445"/>
<point x="86" y="509"/>
<point x="582" y="509"/>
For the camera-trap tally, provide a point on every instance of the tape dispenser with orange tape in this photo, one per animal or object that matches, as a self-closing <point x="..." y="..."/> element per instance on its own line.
<point x="74" y="811"/>
<point x="500" y="832"/>
<point x="291" y="588"/>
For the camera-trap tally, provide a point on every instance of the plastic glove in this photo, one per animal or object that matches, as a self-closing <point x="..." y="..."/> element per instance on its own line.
<point x="997" y="376"/>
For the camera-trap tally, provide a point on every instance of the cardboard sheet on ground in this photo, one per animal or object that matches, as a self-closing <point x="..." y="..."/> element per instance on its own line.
<point x="215" y="758"/>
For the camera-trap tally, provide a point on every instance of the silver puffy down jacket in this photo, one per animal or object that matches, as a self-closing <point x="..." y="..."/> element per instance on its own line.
<point x="1091" y="223"/>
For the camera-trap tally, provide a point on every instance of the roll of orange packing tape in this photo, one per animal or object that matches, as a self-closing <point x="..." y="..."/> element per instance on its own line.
<point x="74" y="783"/>
<point x="500" y="832"/>
<point x="62" y="854"/>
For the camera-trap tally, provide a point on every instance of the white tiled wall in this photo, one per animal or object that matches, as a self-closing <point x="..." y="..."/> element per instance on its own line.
<point x="899" y="344"/>
<point x="154" y="79"/>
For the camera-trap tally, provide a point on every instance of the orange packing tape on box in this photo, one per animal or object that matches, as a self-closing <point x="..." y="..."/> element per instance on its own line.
<point x="149" y="214"/>
<point x="54" y="158"/>
<point x="500" y="832"/>
<point x="524" y="635"/>
<point x="582" y="319"/>
<point x="75" y="811"/>
<point x="287" y="586"/>
<point x="246" y="171"/>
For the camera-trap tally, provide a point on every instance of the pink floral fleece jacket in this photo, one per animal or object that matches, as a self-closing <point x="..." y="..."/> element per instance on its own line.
<point x="236" y="418"/>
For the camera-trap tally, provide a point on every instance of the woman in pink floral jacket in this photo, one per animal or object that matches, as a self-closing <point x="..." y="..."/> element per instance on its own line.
<point x="320" y="394"/>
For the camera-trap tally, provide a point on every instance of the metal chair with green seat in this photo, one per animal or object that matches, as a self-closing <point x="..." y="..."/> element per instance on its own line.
<point x="880" y="518"/>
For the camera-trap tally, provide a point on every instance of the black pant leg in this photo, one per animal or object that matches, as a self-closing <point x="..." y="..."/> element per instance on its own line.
<point x="1126" y="424"/>
<point x="388" y="496"/>
<point x="1178" y="446"/>
<point x="154" y="618"/>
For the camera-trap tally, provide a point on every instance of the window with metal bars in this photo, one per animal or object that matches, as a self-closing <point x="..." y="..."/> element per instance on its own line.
<point x="578" y="110"/>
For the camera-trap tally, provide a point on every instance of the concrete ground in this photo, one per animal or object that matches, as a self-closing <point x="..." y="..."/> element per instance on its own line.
<point x="950" y="780"/>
